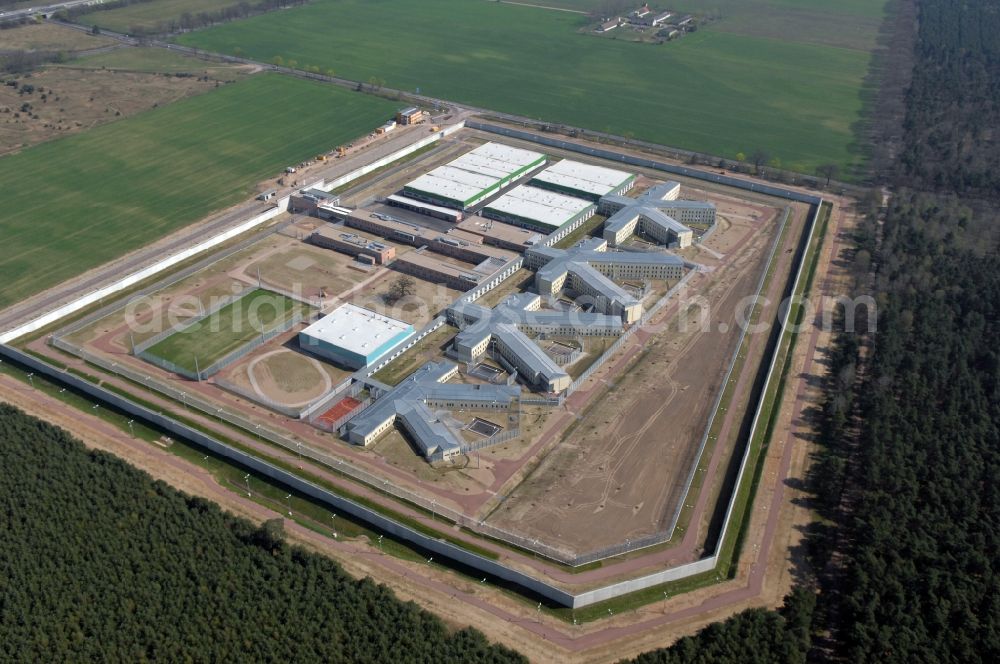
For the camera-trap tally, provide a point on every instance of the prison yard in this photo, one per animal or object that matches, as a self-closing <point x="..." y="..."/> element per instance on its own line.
<point x="720" y="90"/>
<point x="216" y="334"/>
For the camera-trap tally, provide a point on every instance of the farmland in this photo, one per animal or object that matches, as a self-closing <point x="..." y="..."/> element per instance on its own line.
<point x="214" y="337"/>
<point x="715" y="91"/>
<point x="148" y="15"/>
<point x="78" y="202"/>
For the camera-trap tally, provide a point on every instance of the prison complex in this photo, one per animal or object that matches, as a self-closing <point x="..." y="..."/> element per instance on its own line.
<point x="586" y="181"/>
<point x="539" y="209"/>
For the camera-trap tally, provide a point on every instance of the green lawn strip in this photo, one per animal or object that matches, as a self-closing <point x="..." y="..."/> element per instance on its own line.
<point x="202" y="344"/>
<point x="367" y="177"/>
<point x="155" y="61"/>
<point x="81" y="201"/>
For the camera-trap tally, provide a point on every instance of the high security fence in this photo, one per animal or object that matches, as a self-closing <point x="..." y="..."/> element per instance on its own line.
<point x="446" y="549"/>
<point x="217" y="366"/>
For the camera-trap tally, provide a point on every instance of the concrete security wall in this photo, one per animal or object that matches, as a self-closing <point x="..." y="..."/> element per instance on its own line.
<point x="345" y="505"/>
<point x="388" y="159"/>
<point x="161" y="265"/>
<point x="438" y="547"/>
<point x="141" y="275"/>
<point x="646" y="163"/>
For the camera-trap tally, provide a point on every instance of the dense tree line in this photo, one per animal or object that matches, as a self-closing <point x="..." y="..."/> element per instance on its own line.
<point x="921" y="536"/>
<point x="908" y="552"/>
<point x="191" y="20"/>
<point x="951" y="139"/>
<point x="101" y="563"/>
<point x="756" y="636"/>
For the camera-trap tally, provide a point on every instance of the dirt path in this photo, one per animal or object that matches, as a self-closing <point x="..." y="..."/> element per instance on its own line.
<point x="555" y="9"/>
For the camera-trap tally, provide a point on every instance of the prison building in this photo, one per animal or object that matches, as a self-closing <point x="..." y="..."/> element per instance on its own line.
<point x="588" y="269"/>
<point x="504" y="330"/>
<point x="436" y="211"/>
<point x="474" y="177"/>
<point x="436" y="269"/>
<point x="539" y="209"/>
<point x="501" y="235"/>
<point x="408" y="116"/>
<point x="656" y="214"/>
<point x="410" y="403"/>
<point x="306" y="201"/>
<point x="389" y="227"/>
<point x="585" y="181"/>
<point x="352" y="244"/>
<point x="354" y="337"/>
<point x="468" y="247"/>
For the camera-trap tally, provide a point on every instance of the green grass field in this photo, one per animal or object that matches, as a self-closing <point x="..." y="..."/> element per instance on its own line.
<point x="211" y="339"/>
<point x="716" y="91"/>
<point x="158" y="61"/>
<point x="78" y="202"/>
<point x="147" y="15"/>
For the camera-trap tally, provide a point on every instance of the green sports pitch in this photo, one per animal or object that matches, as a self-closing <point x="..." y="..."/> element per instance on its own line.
<point x="78" y="202"/>
<point x="730" y="87"/>
<point x="230" y="328"/>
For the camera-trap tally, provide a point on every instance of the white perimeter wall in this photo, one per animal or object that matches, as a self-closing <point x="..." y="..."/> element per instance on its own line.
<point x="53" y="315"/>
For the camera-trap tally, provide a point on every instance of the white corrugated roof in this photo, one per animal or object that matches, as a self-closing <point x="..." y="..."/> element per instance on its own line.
<point x="584" y="177"/>
<point x="356" y="329"/>
<point x="541" y="205"/>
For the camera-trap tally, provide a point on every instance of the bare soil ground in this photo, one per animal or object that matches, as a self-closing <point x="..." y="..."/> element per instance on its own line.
<point x="621" y="471"/>
<point x="68" y="101"/>
<point x="50" y="37"/>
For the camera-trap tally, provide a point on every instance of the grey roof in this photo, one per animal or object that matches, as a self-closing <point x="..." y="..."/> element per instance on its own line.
<point x="319" y="193"/>
<point x="504" y="323"/>
<point x="578" y="260"/>
<point x="651" y="214"/>
<point x="408" y="402"/>
<point x="651" y="206"/>
<point x="604" y="286"/>
<point x="660" y="191"/>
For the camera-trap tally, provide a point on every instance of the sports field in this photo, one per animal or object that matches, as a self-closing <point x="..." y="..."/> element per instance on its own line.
<point x="75" y="203"/>
<point x="211" y="339"/>
<point x="718" y="90"/>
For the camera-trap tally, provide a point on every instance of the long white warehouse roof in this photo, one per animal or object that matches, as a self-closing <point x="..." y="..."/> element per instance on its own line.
<point x="541" y="205"/>
<point x="469" y="176"/>
<point x="596" y="180"/>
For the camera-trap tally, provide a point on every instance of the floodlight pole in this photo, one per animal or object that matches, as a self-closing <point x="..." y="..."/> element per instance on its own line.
<point x="288" y="501"/>
<point x="131" y="428"/>
<point x="197" y="369"/>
